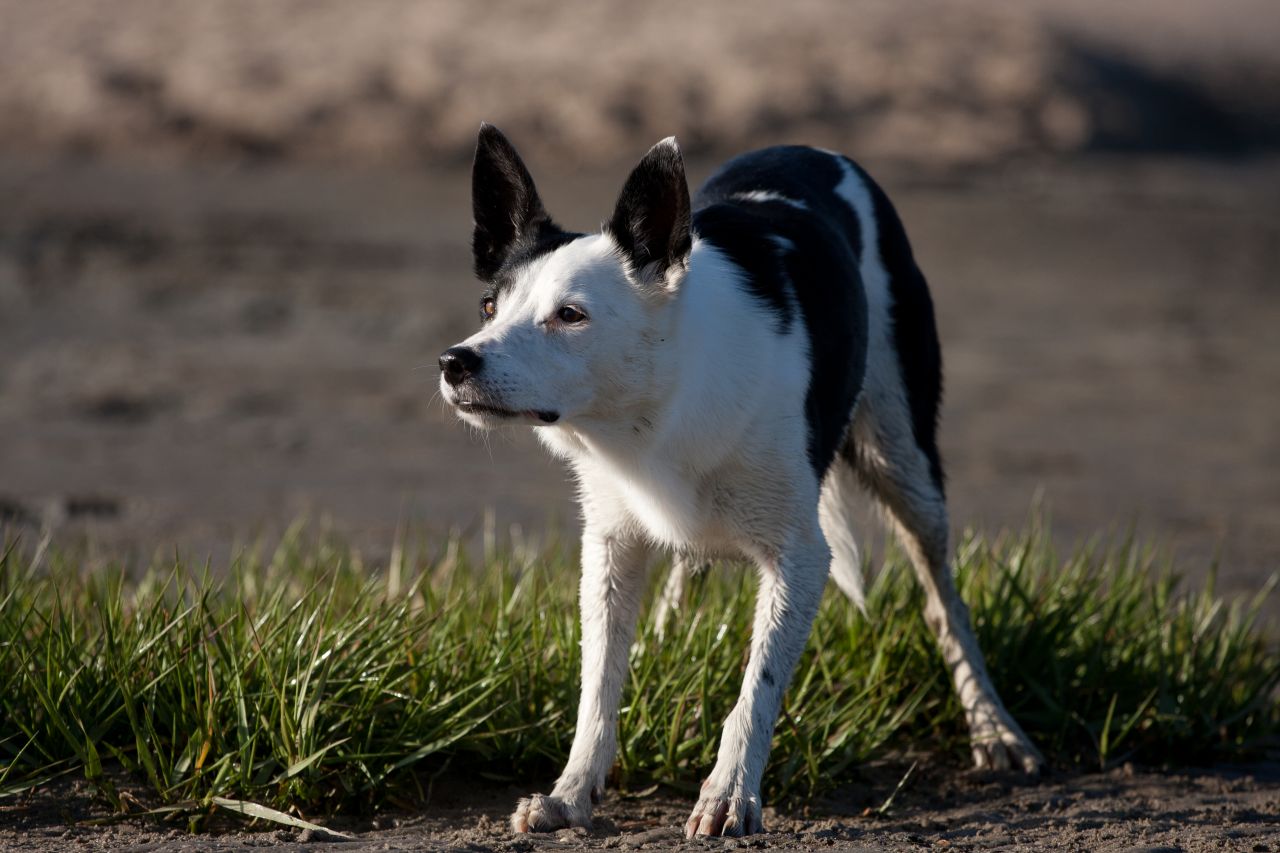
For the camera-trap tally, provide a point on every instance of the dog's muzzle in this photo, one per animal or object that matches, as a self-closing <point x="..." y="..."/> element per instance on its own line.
<point x="457" y="364"/>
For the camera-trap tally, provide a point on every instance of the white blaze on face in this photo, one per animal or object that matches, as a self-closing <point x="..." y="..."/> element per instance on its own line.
<point x="535" y="362"/>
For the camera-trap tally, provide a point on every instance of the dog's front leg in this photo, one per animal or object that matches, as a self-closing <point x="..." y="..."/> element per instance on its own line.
<point x="613" y="572"/>
<point x="790" y="591"/>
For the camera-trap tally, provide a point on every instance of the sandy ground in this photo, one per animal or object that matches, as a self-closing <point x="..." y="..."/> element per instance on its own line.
<point x="931" y="82"/>
<point x="1226" y="809"/>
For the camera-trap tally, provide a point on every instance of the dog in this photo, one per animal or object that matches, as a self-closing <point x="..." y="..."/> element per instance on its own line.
<point x="721" y="375"/>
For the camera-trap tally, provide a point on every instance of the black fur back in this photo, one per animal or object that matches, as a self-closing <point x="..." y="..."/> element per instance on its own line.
<point x="818" y="282"/>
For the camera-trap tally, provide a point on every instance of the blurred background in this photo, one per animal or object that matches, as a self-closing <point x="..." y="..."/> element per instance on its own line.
<point x="234" y="238"/>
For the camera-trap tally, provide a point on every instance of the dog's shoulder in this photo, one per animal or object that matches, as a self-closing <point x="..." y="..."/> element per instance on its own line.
<point x="779" y="216"/>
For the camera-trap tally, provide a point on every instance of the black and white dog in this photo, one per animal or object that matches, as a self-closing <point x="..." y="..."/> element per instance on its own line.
<point x="721" y="377"/>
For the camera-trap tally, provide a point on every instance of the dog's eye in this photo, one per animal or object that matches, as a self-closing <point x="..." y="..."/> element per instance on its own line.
<point x="488" y="307"/>
<point x="570" y="314"/>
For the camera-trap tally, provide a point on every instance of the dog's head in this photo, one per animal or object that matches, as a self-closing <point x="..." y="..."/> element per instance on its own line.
<point x="570" y="322"/>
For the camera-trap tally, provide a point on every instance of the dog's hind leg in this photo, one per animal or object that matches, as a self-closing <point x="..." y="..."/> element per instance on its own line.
<point x="898" y="472"/>
<point x="613" y="583"/>
<point x="672" y="592"/>
<point x="683" y="567"/>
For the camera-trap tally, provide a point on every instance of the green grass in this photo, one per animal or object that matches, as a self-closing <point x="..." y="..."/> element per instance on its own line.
<point x="311" y="682"/>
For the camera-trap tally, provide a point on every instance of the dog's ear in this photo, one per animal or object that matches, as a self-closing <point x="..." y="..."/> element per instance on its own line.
<point x="651" y="222"/>
<point x="504" y="201"/>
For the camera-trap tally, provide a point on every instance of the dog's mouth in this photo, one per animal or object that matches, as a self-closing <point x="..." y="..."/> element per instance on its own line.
<point x="473" y="407"/>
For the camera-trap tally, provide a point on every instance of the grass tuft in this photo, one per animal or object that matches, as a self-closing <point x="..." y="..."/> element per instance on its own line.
<point x="309" y="683"/>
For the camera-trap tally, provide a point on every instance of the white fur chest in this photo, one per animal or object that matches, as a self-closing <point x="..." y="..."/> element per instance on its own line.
<point x="663" y="498"/>
<point x="721" y="431"/>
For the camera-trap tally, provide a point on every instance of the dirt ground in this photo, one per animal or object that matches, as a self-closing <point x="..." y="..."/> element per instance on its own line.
<point x="1225" y="809"/>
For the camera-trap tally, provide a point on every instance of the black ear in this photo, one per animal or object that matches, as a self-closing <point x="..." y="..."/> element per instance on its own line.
<point x="651" y="221"/>
<point x="504" y="202"/>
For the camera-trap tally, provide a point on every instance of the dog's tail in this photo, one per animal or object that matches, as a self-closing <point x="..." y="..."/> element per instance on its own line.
<point x="836" y="516"/>
<point x="846" y="570"/>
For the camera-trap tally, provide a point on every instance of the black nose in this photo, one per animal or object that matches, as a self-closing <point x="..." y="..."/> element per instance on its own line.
<point x="457" y="363"/>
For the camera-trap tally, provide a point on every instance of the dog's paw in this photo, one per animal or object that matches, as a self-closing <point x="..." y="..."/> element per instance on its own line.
<point x="724" y="814"/>
<point x="1005" y="749"/>
<point x="541" y="813"/>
